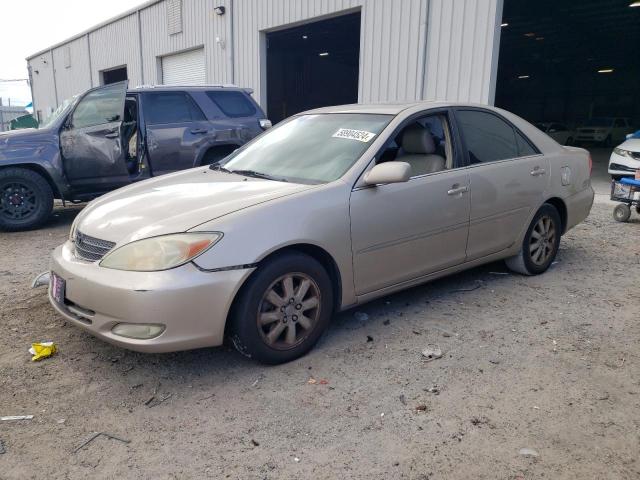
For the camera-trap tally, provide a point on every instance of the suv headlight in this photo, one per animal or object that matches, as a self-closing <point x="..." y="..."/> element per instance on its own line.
<point x="160" y="253"/>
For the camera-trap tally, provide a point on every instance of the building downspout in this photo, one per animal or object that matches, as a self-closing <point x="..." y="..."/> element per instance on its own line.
<point x="425" y="54"/>
<point x="231" y="45"/>
<point x="140" y="48"/>
<point x="53" y="72"/>
<point x="90" y="63"/>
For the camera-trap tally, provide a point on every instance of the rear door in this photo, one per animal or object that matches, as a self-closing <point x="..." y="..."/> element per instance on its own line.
<point x="176" y="129"/>
<point x="91" y="143"/>
<point x="238" y="114"/>
<point x="508" y="178"/>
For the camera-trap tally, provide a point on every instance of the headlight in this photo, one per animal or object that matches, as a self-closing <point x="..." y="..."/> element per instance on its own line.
<point x="160" y="253"/>
<point x="622" y="152"/>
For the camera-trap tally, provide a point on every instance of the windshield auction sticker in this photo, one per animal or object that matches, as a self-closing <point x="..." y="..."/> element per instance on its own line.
<point x="360" y="135"/>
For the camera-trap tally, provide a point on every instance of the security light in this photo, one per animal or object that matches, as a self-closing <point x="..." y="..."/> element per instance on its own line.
<point x="605" y="70"/>
<point x="504" y="24"/>
<point x="522" y="77"/>
<point x="220" y="10"/>
<point x="324" y="54"/>
<point x="634" y="4"/>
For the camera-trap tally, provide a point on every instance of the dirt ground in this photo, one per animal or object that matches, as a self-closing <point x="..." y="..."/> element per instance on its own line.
<point x="549" y="363"/>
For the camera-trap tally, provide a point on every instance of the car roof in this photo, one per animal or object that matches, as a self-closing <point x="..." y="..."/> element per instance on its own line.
<point x="169" y="88"/>
<point x="392" y="108"/>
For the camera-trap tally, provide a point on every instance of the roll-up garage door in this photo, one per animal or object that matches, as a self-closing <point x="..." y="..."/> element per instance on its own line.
<point x="184" y="68"/>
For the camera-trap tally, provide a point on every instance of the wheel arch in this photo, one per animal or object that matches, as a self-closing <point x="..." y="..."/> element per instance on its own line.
<point x="561" y="207"/>
<point x="318" y="253"/>
<point x="39" y="169"/>
<point x="225" y="148"/>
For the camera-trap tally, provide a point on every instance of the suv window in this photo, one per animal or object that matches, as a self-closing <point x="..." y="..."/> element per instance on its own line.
<point x="488" y="138"/>
<point x="101" y="106"/>
<point x="232" y="103"/>
<point x="170" y="107"/>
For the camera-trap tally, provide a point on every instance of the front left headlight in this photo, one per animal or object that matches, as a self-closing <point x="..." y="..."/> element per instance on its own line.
<point x="160" y="253"/>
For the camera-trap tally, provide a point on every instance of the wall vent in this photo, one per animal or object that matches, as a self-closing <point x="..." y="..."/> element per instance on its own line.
<point x="174" y="16"/>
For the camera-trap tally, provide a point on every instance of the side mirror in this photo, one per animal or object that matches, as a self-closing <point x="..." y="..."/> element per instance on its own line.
<point x="388" y="172"/>
<point x="629" y="135"/>
<point x="265" y="124"/>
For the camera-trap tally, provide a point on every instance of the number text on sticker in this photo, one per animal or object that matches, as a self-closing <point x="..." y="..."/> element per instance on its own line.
<point x="360" y="135"/>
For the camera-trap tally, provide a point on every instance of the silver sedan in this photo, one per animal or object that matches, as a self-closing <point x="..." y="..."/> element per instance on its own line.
<point x="328" y="210"/>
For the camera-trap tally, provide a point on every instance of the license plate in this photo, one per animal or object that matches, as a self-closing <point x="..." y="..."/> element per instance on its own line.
<point x="57" y="288"/>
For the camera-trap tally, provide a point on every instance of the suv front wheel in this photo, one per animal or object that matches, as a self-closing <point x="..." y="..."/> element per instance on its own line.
<point x="26" y="199"/>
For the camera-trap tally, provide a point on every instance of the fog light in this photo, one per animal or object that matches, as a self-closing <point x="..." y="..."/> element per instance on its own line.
<point x="142" y="331"/>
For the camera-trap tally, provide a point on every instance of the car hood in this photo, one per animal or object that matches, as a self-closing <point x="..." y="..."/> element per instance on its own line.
<point x="15" y="140"/>
<point x="633" y="145"/>
<point x="176" y="203"/>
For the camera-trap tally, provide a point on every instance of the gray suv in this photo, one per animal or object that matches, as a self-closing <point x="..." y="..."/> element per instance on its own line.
<point x="111" y="136"/>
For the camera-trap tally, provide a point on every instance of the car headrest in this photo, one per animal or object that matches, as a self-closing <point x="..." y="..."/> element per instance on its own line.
<point x="417" y="139"/>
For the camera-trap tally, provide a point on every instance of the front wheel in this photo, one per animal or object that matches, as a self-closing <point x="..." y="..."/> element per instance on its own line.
<point x="540" y="244"/>
<point x="26" y="199"/>
<point x="283" y="309"/>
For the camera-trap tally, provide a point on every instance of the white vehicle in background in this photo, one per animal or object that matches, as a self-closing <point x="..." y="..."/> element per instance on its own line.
<point x="607" y="131"/>
<point x="625" y="158"/>
<point x="558" y="131"/>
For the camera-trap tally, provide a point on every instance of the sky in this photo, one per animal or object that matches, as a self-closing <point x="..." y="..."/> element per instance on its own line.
<point x="32" y="25"/>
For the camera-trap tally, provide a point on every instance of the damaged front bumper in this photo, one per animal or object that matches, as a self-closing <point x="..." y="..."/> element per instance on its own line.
<point x="189" y="305"/>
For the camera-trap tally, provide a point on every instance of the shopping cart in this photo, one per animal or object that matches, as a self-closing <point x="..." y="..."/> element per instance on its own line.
<point x="627" y="192"/>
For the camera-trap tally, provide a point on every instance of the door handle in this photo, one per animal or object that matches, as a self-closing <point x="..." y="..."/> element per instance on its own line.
<point x="537" y="171"/>
<point x="457" y="189"/>
<point x="198" y="130"/>
<point x="112" y="135"/>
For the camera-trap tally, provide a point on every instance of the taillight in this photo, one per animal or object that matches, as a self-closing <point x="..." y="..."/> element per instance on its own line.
<point x="590" y="164"/>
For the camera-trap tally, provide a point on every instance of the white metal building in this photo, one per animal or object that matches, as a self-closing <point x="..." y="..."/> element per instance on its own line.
<point x="391" y="50"/>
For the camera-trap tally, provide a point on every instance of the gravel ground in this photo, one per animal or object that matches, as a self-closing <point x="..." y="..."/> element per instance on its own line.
<point x="548" y="363"/>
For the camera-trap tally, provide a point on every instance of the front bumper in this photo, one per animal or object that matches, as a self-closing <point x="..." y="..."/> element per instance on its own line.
<point x="191" y="304"/>
<point x="623" y="165"/>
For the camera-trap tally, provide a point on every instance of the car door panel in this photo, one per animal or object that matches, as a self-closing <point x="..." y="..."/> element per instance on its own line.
<point x="90" y="141"/>
<point x="405" y="230"/>
<point x="503" y="195"/>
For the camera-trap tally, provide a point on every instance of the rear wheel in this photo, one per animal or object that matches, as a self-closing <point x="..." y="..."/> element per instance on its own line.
<point x="540" y="244"/>
<point x="283" y="309"/>
<point x="622" y="212"/>
<point x="26" y="199"/>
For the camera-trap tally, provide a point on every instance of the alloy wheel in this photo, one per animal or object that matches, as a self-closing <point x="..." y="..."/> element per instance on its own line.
<point x="289" y="311"/>
<point x="543" y="240"/>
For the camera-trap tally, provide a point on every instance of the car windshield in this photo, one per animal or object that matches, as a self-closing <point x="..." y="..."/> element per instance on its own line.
<point x="58" y="112"/>
<point x="598" y="122"/>
<point x="309" y="148"/>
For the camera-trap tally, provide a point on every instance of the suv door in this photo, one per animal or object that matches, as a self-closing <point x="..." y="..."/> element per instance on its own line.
<point x="403" y="231"/>
<point x="176" y="129"/>
<point x="90" y="140"/>
<point x="508" y="177"/>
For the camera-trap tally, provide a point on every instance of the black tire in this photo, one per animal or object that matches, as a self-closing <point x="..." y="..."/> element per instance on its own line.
<point x="622" y="212"/>
<point x="252" y="339"/>
<point x="214" y="155"/>
<point x="26" y="199"/>
<point x="616" y="177"/>
<point x="524" y="262"/>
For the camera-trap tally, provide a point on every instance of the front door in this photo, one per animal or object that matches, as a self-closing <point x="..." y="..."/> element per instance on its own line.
<point x="91" y="143"/>
<point x="406" y="230"/>
<point x="508" y="178"/>
<point x="176" y="129"/>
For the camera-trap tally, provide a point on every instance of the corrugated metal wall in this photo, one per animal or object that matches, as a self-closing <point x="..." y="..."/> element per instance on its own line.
<point x="409" y="49"/>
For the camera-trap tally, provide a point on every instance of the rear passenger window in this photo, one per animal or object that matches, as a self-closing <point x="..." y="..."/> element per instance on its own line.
<point x="170" y="107"/>
<point x="524" y="147"/>
<point x="232" y="103"/>
<point x="487" y="137"/>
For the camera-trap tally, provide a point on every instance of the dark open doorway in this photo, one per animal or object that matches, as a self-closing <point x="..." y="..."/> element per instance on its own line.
<point x="114" y="75"/>
<point x="568" y="62"/>
<point x="313" y="65"/>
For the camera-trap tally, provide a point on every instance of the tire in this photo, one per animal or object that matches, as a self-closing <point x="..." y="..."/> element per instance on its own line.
<point x="282" y="336"/>
<point x="616" y="177"/>
<point x="622" y="212"/>
<point x="26" y="199"/>
<point x="529" y="261"/>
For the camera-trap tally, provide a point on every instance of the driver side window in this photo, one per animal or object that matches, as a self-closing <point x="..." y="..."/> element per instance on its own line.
<point x="425" y="144"/>
<point x="99" y="107"/>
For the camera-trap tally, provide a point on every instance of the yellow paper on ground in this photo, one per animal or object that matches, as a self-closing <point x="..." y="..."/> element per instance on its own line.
<point x="42" y="350"/>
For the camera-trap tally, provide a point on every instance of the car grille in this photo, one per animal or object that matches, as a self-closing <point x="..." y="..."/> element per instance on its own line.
<point x="90" y="248"/>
